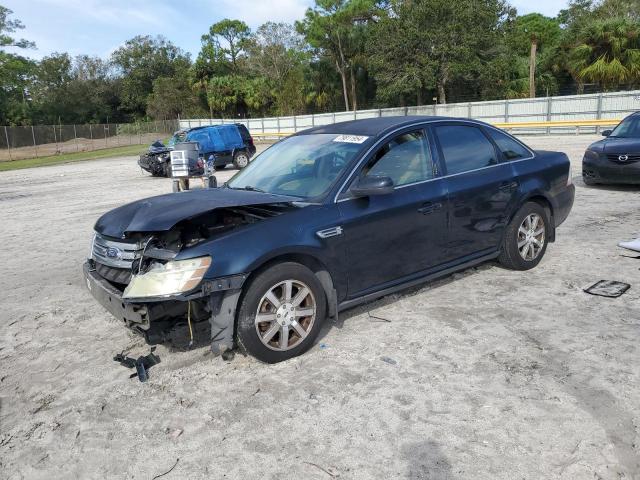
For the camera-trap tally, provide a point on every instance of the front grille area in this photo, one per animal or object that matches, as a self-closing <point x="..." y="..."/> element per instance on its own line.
<point x="120" y="276"/>
<point x="115" y="253"/>
<point x="615" y="157"/>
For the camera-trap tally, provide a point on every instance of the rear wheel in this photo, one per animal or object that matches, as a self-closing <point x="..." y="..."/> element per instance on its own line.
<point x="167" y="169"/>
<point x="240" y="159"/>
<point x="281" y="313"/>
<point x="525" y="240"/>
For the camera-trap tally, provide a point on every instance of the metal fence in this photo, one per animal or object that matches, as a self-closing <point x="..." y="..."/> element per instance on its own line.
<point x="45" y="140"/>
<point x="613" y="105"/>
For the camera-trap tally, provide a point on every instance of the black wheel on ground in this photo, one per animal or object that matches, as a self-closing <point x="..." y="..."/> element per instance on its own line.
<point x="525" y="239"/>
<point x="167" y="169"/>
<point x="281" y="312"/>
<point x="240" y="159"/>
<point x="219" y="167"/>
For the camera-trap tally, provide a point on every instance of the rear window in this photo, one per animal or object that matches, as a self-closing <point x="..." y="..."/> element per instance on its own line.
<point x="465" y="148"/>
<point x="510" y="148"/>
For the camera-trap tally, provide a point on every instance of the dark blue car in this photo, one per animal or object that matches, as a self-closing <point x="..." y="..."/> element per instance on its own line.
<point x="615" y="159"/>
<point x="324" y="220"/>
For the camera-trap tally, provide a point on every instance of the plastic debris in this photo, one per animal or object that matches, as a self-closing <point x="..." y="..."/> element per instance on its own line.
<point x="388" y="360"/>
<point x="632" y="245"/>
<point x="608" y="288"/>
<point x="142" y="364"/>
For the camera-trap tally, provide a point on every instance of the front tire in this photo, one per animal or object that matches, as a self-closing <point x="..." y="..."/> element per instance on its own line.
<point x="526" y="237"/>
<point x="281" y="313"/>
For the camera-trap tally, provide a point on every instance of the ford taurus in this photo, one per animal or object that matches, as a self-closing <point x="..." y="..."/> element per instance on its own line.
<point x="324" y="220"/>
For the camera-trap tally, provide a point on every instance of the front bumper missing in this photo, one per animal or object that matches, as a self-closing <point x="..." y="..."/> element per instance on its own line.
<point x="222" y="293"/>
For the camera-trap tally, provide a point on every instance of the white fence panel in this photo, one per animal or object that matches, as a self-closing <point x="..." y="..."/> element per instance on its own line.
<point x="613" y="105"/>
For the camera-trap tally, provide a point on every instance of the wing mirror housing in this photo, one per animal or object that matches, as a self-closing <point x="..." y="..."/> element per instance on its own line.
<point x="373" y="185"/>
<point x="606" y="133"/>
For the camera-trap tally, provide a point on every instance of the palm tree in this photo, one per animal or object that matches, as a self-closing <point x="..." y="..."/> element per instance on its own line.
<point x="608" y="53"/>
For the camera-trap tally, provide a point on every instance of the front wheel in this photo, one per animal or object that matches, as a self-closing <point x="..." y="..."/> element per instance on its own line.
<point x="281" y="313"/>
<point x="240" y="160"/>
<point x="525" y="240"/>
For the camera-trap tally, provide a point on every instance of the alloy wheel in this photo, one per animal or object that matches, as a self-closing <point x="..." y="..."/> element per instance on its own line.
<point x="531" y="237"/>
<point x="285" y="315"/>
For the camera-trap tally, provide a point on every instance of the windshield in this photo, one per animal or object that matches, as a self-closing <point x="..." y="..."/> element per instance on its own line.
<point x="628" y="128"/>
<point x="178" y="137"/>
<point x="304" y="166"/>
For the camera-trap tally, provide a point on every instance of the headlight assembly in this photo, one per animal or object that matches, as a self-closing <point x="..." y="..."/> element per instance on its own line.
<point x="171" y="278"/>
<point x="591" y="155"/>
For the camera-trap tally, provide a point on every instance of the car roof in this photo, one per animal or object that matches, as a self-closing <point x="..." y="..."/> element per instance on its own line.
<point x="202" y="127"/>
<point x="372" y="126"/>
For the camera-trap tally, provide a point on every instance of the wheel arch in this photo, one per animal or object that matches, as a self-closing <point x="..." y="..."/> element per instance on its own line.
<point x="317" y="266"/>
<point x="544" y="202"/>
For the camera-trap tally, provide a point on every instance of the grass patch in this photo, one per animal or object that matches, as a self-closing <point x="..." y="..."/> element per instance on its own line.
<point x="72" y="157"/>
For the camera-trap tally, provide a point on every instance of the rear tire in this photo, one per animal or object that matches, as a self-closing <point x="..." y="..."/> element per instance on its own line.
<point x="240" y="160"/>
<point x="526" y="237"/>
<point x="167" y="169"/>
<point x="290" y="300"/>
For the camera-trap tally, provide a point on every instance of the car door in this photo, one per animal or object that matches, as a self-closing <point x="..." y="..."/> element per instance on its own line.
<point x="393" y="236"/>
<point x="482" y="189"/>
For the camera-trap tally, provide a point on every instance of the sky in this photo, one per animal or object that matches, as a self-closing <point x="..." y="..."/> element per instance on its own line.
<point x="98" y="27"/>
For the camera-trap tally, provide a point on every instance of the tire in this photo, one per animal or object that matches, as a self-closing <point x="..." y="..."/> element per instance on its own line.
<point x="522" y="248"/>
<point x="219" y="167"/>
<point x="240" y="159"/>
<point x="167" y="169"/>
<point x="263" y="340"/>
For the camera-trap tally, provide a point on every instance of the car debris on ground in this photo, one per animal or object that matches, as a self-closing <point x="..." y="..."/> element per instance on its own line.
<point x="608" y="288"/>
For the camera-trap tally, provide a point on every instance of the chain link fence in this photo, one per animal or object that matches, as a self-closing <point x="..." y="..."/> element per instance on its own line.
<point x="45" y="140"/>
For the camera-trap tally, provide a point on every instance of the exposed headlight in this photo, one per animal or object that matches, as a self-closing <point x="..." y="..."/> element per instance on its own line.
<point x="171" y="278"/>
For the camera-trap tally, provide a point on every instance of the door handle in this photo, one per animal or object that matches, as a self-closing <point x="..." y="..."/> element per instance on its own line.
<point x="429" y="208"/>
<point x="508" y="186"/>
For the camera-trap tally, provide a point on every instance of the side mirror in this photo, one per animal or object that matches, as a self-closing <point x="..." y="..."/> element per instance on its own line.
<point x="606" y="133"/>
<point x="370" y="186"/>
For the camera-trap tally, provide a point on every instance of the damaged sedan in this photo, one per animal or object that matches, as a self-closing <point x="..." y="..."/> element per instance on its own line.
<point x="322" y="221"/>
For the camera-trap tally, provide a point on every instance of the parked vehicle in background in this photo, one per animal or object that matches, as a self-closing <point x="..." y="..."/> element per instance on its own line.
<point x="616" y="158"/>
<point x="324" y="220"/>
<point x="219" y="145"/>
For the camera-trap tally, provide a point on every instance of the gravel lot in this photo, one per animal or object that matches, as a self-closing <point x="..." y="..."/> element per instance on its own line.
<point x="488" y="374"/>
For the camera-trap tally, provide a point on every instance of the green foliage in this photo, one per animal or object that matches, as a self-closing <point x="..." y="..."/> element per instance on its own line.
<point x="608" y="53"/>
<point x="140" y="61"/>
<point x="342" y="54"/>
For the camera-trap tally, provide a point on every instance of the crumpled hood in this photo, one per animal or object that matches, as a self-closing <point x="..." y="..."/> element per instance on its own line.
<point x="622" y="146"/>
<point x="161" y="213"/>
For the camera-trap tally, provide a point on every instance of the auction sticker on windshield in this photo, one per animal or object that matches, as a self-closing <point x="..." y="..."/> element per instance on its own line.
<point x="350" y="138"/>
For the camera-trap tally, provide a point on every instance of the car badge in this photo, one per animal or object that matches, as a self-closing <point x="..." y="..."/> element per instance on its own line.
<point x="114" y="253"/>
<point x="623" y="158"/>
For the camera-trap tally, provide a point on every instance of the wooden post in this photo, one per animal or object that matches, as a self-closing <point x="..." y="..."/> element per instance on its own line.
<point x="6" y="135"/>
<point x="75" y="137"/>
<point x="33" y="135"/>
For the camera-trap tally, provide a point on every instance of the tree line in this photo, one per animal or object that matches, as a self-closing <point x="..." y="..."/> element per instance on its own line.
<point x="343" y="54"/>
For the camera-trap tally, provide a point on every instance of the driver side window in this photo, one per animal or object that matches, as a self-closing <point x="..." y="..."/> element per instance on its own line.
<point x="406" y="159"/>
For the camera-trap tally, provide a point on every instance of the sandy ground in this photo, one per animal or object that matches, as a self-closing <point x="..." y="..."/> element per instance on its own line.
<point x="488" y="374"/>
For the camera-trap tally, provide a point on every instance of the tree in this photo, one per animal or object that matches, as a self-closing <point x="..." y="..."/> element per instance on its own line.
<point x="172" y="97"/>
<point x="530" y="33"/>
<point x="277" y="53"/>
<point x="142" y="60"/>
<point x="428" y="43"/>
<point x="608" y="53"/>
<point x="337" y="28"/>
<point x="227" y="40"/>
<point x="8" y="26"/>
<point x="16" y="72"/>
